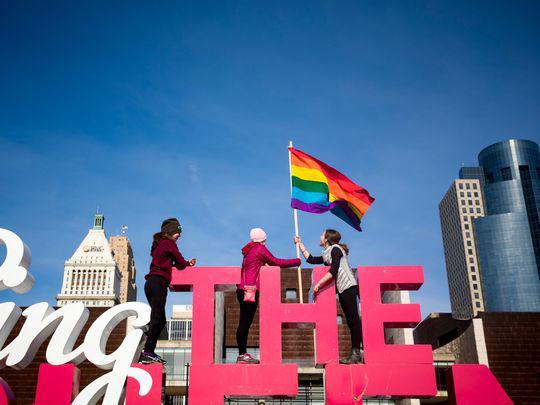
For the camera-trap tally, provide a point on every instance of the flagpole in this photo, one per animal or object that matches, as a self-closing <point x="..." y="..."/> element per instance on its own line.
<point x="295" y="214"/>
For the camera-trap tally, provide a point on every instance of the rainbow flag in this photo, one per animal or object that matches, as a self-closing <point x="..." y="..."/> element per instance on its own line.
<point x="318" y="188"/>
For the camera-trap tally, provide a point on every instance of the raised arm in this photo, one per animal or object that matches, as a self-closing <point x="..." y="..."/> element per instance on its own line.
<point x="309" y="258"/>
<point x="271" y="260"/>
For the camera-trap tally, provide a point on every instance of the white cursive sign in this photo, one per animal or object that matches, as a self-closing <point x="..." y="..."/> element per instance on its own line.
<point x="14" y="272"/>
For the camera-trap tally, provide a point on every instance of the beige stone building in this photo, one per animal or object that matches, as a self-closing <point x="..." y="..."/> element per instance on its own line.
<point x="462" y="203"/>
<point x="91" y="275"/>
<point x="123" y="256"/>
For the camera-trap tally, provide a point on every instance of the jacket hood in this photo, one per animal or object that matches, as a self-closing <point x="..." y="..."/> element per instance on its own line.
<point x="246" y="249"/>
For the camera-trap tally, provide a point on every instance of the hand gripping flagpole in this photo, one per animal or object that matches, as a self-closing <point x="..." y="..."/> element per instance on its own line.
<point x="295" y="211"/>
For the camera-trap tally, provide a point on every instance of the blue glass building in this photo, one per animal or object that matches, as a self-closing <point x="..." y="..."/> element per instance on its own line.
<point x="508" y="236"/>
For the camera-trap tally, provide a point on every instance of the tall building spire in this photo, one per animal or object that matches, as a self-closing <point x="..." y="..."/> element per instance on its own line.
<point x="98" y="221"/>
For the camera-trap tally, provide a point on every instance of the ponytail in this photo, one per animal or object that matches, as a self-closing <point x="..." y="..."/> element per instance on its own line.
<point x="344" y="247"/>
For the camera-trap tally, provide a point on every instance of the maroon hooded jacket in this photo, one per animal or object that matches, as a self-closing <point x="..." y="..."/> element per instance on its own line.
<point x="257" y="255"/>
<point x="165" y="255"/>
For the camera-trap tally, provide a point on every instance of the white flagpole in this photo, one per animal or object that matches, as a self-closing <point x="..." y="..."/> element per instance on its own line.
<point x="295" y="211"/>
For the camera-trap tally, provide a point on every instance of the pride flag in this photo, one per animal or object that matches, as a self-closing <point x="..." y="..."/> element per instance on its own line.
<point x="318" y="188"/>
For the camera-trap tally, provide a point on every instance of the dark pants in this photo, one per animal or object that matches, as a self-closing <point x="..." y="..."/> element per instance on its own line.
<point x="348" y="302"/>
<point x="155" y="290"/>
<point x="247" y="313"/>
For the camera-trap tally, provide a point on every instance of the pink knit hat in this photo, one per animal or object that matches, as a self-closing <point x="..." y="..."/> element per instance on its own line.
<point x="257" y="235"/>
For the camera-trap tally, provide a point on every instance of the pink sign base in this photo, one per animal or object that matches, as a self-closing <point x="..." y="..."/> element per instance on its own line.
<point x="474" y="384"/>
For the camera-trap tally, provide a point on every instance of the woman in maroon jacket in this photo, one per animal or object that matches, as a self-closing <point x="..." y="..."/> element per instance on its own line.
<point x="165" y="256"/>
<point x="255" y="255"/>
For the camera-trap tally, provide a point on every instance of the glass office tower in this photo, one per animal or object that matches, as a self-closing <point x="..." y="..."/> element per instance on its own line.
<point x="508" y="236"/>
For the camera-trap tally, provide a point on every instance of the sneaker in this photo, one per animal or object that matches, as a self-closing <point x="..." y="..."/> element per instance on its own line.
<point x="247" y="358"/>
<point x="148" y="358"/>
<point x="356" y="357"/>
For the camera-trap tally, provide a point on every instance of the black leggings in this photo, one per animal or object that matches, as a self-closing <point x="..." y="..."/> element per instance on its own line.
<point x="155" y="290"/>
<point x="247" y="313"/>
<point x="348" y="302"/>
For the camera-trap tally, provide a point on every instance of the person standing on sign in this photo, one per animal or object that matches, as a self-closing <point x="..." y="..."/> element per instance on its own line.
<point x="165" y="256"/>
<point x="256" y="255"/>
<point x="335" y="256"/>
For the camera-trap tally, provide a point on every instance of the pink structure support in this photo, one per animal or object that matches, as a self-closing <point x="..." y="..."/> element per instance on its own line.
<point x="154" y="396"/>
<point x="57" y="385"/>
<point x="474" y="384"/>
<point x="274" y="314"/>
<point x="395" y="370"/>
<point x="209" y="382"/>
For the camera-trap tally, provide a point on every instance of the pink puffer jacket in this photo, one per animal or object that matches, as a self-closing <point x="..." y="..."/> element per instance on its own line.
<point x="257" y="255"/>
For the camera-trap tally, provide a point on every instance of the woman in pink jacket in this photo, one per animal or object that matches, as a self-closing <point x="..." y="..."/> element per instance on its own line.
<point x="256" y="255"/>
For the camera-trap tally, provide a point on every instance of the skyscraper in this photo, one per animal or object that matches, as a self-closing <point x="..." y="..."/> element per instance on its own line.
<point x="508" y="237"/>
<point x="123" y="256"/>
<point x="461" y="204"/>
<point x="91" y="275"/>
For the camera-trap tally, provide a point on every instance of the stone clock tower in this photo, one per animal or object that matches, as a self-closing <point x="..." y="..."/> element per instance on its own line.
<point x="91" y="275"/>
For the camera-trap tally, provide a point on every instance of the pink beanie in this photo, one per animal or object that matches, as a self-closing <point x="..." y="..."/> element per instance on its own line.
<point x="257" y="235"/>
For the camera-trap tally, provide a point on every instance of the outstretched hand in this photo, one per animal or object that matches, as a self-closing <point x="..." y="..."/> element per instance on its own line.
<point x="297" y="239"/>
<point x="192" y="262"/>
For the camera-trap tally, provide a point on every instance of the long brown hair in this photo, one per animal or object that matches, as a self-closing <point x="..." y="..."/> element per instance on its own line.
<point x="157" y="237"/>
<point x="333" y="237"/>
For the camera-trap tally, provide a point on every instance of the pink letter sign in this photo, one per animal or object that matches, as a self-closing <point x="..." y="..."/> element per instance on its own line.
<point x="209" y="382"/>
<point x="474" y="384"/>
<point x="400" y="370"/>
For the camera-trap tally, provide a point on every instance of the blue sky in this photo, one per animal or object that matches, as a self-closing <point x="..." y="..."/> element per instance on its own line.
<point x="158" y="109"/>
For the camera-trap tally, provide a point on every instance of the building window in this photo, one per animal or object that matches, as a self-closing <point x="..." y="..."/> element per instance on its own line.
<point x="464" y="210"/>
<point x="290" y="294"/>
<point x="469" y="251"/>
<point x="466" y="226"/>
<point x="179" y="329"/>
<point x="468" y="186"/>
<point x="476" y="295"/>
<point x="462" y="194"/>
<point x="477" y="304"/>
<point x="462" y="202"/>
<point x="473" y="277"/>
<point x="475" y="286"/>
<point x="471" y="210"/>
<point x="474" y="187"/>
<point x="478" y="210"/>
<point x="506" y="173"/>
<point x="476" y="194"/>
<point x="461" y="186"/>
<point x="469" y="242"/>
